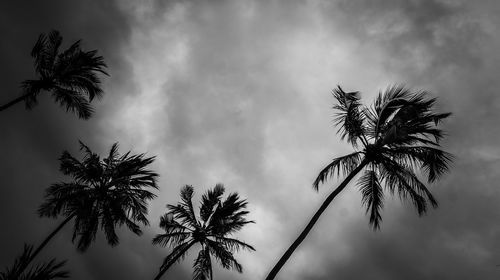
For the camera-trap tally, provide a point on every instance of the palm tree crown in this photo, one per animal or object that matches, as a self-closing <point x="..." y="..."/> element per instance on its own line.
<point x="44" y="271"/>
<point x="71" y="76"/>
<point x="107" y="192"/>
<point x="395" y="136"/>
<point x="218" y="220"/>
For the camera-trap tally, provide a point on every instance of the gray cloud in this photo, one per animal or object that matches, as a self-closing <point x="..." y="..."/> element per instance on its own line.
<point x="238" y="92"/>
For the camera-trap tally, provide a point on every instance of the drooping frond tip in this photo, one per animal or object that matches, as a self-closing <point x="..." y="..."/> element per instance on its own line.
<point x="41" y="271"/>
<point x="372" y="197"/>
<point x="349" y="117"/>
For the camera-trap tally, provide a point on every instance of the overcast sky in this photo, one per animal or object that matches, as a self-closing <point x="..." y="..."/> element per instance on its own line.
<point x="238" y="92"/>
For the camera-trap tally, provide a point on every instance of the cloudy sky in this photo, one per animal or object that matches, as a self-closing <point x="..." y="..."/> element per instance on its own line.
<point x="238" y="92"/>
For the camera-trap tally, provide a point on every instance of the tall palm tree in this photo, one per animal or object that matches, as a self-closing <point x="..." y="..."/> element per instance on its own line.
<point x="104" y="193"/>
<point x="212" y="230"/>
<point x="394" y="138"/>
<point x="70" y="76"/>
<point x="45" y="271"/>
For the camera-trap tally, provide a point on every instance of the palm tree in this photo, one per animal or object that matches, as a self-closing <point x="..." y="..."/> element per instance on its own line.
<point x="45" y="271"/>
<point x="393" y="138"/>
<point x="104" y="193"/>
<point x="217" y="221"/>
<point x="71" y="76"/>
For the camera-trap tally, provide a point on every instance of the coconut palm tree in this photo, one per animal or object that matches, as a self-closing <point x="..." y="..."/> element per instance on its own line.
<point x="45" y="271"/>
<point x="104" y="193"/>
<point x="393" y="139"/>
<point x="70" y="76"/>
<point x="212" y="230"/>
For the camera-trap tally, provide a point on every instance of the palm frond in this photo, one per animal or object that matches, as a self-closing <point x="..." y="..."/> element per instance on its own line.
<point x="177" y="254"/>
<point x="171" y="238"/>
<point x="184" y="210"/>
<point x="203" y="265"/>
<point x="175" y="233"/>
<point x="223" y="256"/>
<point x="62" y="198"/>
<point x="31" y="88"/>
<point x="74" y="102"/>
<point x="108" y="226"/>
<point x="168" y="223"/>
<point x="233" y="244"/>
<point x="45" y="51"/>
<point x="13" y="272"/>
<point x="408" y="118"/>
<point x="229" y="216"/>
<point x="372" y="197"/>
<point x="345" y="164"/>
<point x="44" y="271"/>
<point x="112" y="155"/>
<point x="350" y="117"/>
<point x="435" y="162"/>
<point x="387" y="104"/>
<point x="209" y="200"/>
<point x="408" y="185"/>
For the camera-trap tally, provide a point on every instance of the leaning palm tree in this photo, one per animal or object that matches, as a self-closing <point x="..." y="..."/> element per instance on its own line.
<point x="393" y="138"/>
<point x="104" y="193"/>
<point x="70" y="76"/>
<point x="212" y="230"/>
<point x="45" y="271"/>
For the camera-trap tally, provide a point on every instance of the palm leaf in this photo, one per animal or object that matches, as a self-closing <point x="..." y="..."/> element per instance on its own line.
<point x="434" y="161"/>
<point x="224" y="256"/>
<point x="372" y="197"/>
<point x="177" y="254"/>
<point x="44" y="271"/>
<point x="345" y="164"/>
<point x="350" y="116"/>
<point x="203" y="265"/>
<point x="209" y="200"/>
<point x="407" y="185"/>
<point x="233" y="244"/>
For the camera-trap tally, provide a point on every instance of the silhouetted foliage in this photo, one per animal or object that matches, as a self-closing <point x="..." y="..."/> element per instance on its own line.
<point x="218" y="220"/>
<point x="105" y="193"/>
<point x="45" y="271"/>
<point x="394" y="137"/>
<point x="108" y="192"/>
<point x="71" y="76"/>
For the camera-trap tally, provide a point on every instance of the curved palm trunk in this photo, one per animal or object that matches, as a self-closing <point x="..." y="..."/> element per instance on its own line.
<point x="168" y="265"/>
<point x="44" y="243"/>
<point x="313" y="221"/>
<point x="13" y="102"/>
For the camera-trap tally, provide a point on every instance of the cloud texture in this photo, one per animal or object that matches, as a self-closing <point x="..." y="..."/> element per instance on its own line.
<point x="238" y="92"/>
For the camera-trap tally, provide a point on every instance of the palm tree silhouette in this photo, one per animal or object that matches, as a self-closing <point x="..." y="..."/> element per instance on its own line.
<point x="104" y="193"/>
<point x="394" y="137"/>
<point x="71" y="76"/>
<point x="45" y="271"/>
<point x="217" y="221"/>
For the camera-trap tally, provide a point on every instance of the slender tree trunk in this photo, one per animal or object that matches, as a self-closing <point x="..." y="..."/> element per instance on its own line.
<point x="44" y="242"/>
<point x="314" y="219"/>
<point x="168" y="265"/>
<point x="13" y="102"/>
